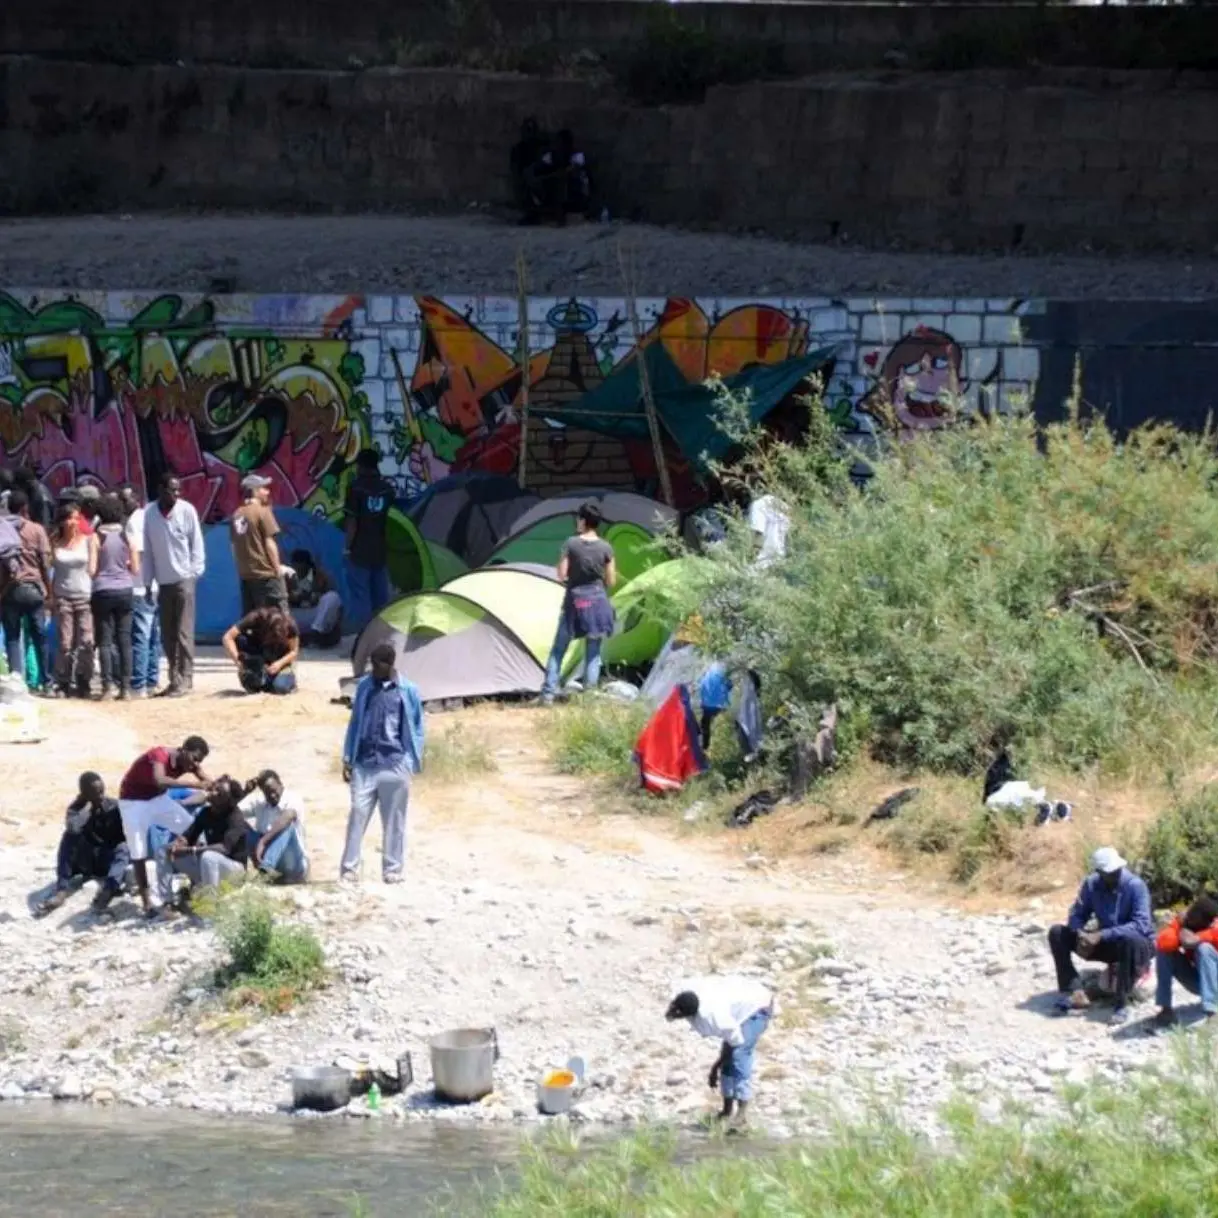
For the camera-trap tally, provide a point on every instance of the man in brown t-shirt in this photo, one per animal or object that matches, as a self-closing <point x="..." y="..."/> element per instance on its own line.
<point x="253" y="529"/>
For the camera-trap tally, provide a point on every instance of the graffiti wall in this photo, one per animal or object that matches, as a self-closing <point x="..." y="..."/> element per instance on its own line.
<point x="118" y="387"/>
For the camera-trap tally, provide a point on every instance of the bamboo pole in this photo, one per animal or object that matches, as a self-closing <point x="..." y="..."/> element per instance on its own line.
<point x="522" y="325"/>
<point x="412" y="422"/>
<point x="649" y="404"/>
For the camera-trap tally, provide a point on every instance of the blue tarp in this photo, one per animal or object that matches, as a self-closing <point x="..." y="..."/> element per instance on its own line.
<point x="220" y="590"/>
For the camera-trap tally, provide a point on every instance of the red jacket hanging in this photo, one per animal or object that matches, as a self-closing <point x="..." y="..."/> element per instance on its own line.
<point x="669" y="750"/>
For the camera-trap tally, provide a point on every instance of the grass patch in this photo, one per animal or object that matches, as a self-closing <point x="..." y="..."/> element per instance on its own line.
<point x="1148" y="1147"/>
<point x="457" y="754"/>
<point x="271" y="965"/>
<point x="596" y="736"/>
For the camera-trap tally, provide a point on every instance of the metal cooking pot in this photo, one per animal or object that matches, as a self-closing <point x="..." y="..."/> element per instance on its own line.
<point x="323" y="1088"/>
<point x="463" y="1064"/>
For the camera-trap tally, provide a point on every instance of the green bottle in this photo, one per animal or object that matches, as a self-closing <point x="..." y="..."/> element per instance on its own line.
<point x="374" y="1098"/>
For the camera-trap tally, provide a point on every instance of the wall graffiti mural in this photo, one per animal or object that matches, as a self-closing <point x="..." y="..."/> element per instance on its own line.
<point x="112" y="387"/>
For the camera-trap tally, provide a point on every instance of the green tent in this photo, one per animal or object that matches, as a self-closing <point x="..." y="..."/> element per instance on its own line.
<point x="686" y="411"/>
<point x="415" y="563"/>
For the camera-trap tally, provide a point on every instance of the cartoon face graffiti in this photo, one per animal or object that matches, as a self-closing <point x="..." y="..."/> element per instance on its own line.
<point x="920" y="382"/>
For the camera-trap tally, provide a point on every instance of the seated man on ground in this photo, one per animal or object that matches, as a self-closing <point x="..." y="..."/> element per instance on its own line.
<point x="1119" y="901"/>
<point x="1187" y="952"/>
<point x="93" y="847"/>
<point x="734" y="1011"/>
<point x="317" y="606"/>
<point x="145" y="802"/>
<point x="264" y="646"/>
<point x="215" y="847"/>
<point x="278" y="816"/>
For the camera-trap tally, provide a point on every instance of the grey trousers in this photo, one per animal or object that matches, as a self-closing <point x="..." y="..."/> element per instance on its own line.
<point x="177" y="607"/>
<point x="390" y="790"/>
<point x="207" y="870"/>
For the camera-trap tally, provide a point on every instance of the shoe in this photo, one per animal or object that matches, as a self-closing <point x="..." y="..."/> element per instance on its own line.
<point x="122" y="695"/>
<point x="1044" y="812"/>
<point x="1062" y="810"/>
<point x="1119" y="1018"/>
<point x="105" y="894"/>
<point x="107" y="692"/>
<point x="394" y="879"/>
<point x="1164" y="1021"/>
<point x="52" y="903"/>
<point x="349" y="878"/>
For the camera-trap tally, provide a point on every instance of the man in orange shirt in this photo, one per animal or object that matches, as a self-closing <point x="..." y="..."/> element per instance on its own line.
<point x="1187" y="951"/>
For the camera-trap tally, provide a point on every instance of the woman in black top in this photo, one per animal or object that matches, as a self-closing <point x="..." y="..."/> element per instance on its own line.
<point x="587" y="568"/>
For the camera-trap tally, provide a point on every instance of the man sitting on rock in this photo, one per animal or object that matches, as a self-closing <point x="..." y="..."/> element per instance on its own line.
<point x="278" y="816"/>
<point x="1119" y="901"/>
<point x="146" y="805"/>
<point x="735" y="1011"/>
<point x="216" y="845"/>
<point x="264" y="646"/>
<point x="1187" y="952"/>
<point x="93" y="847"/>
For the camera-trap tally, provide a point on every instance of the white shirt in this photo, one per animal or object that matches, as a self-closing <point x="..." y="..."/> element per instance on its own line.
<point x="724" y="1003"/>
<point x="173" y="544"/>
<point x="769" y="518"/>
<point x="266" y="814"/>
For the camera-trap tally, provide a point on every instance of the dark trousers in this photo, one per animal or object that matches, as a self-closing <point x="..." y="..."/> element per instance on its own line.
<point x="263" y="594"/>
<point x="112" y="618"/>
<point x="23" y="606"/>
<point x="78" y="855"/>
<point x="1131" y="957"/>
<point x="177" y="606"/>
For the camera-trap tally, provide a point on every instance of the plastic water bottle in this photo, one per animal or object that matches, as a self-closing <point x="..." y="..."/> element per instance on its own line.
<point x="374" y="1098"/>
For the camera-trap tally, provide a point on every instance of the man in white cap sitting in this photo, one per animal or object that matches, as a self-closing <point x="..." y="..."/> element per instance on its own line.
<point x="734" y="1011"/>
<point x="1119" y="901"/>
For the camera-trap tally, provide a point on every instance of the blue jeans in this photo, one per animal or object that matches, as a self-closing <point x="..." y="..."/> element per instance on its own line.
<point x="285" y="856"/>
<point x="23" y="606"/>
<point x="368" y="591"/>
<point x="736" y="1078"/>
<point x="145" y="644"/>
<point x="1198" y="975"/>
<point x="592" y="660"/>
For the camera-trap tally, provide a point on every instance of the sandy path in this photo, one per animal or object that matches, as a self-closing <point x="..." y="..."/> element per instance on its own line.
<point x="525" y="907"/>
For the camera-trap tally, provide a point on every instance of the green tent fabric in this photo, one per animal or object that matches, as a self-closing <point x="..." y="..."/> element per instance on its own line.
<point x="634" y="551"/>
<point x="686" y="411"/>
<point x="633" y="548"/>
<point x="416" y="564"/>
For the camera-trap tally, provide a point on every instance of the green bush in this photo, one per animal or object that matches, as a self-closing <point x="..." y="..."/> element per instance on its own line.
<point x="1146" y="1147"/>
<point x="270" y="964"/>
<point x="1056" y="587"/>
<point x="1179" y="856"/>
<point x="596" y="736"/>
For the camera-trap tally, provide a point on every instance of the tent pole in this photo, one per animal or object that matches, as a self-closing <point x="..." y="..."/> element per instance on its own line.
<point x="649" y="404"/>
<point x="522" y="325"/>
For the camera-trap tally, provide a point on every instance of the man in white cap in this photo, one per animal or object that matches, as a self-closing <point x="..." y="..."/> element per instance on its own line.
<point x="1119" y="901"/>
<point x="734" y="1011"/>
<point x="253" y="529"/>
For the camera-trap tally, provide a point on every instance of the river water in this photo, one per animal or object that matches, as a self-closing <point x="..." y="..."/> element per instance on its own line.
<point x="144" y="1164"/>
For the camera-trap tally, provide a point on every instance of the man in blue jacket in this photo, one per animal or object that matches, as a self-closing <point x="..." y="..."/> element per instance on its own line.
<point x="384" y="746"/>
<point x="1119" y="901"/>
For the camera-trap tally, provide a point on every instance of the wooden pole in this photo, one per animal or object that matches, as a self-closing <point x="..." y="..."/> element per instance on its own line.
<point x="522" y="325"/>
<point x="412" y="423"/>
<point x="649" y="404"/>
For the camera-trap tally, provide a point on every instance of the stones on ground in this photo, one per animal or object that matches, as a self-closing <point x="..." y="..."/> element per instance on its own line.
<point x="253" y="1059"/>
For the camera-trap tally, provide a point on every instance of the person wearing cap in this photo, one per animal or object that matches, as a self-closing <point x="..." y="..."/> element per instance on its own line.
<point x="253" y="529"/>
<point x="1119" y="901"/>
<point x="734" y="1011"/>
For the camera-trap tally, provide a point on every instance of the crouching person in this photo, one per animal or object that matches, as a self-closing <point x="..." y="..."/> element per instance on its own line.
<point x="215" y="847"/>
<point x="264" y="646"/>
<point x="1187" y="952"/>
<point x="735" y="1011"/>
<point x="278" y="814"/>
<point x="93" y="847"/>
<point x="1120" y="903"/>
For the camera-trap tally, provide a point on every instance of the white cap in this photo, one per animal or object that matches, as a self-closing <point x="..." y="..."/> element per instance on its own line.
<point x="1106" y="860"/>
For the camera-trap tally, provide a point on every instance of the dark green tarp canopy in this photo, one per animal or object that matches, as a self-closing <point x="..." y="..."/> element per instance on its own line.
<point x="686" y="411"/>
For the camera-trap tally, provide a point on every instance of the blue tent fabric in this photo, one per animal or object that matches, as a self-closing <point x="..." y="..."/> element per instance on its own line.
<point x="219" y="604"/>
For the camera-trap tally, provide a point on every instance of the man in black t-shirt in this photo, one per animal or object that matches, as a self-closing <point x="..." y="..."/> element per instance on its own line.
<point x="369" y="498"/>
<point x="93" y="847"/>
<point x="216" y="846"/>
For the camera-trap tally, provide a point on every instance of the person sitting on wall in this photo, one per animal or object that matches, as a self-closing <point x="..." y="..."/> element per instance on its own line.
<point x="264" y="646"/>
<point x="572" y="182"/>
<point x="93" y="847"/>
<point x="1119" y="901"/>
<point x="278" y="815"/>
<point x="317" y="606"/>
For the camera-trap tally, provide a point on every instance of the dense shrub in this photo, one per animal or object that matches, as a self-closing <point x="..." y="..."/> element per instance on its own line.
<point x="1180" y="852"/>
<point x="1058" y="588"/>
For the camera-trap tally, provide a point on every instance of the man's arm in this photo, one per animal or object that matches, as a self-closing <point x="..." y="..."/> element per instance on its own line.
<point x="189" y="841"/>
<point x="349" y="738"/>
<point x="286" y="661"/>
<point x="44" y="558"/>
<point x="229" y="641"/>
<point x="147" y="563"/>
<point x="611" y="572"/>
<point x="198" y="559"/>
<point x="166" y="782"/>
<point x="1082" y="908"/>
<point x="271" y="531"/>
<point x="1140" y="924"/>
<point x="77" y="815"/>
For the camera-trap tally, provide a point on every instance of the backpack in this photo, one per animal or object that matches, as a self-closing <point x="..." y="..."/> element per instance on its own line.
<point x="10" y="546"/>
